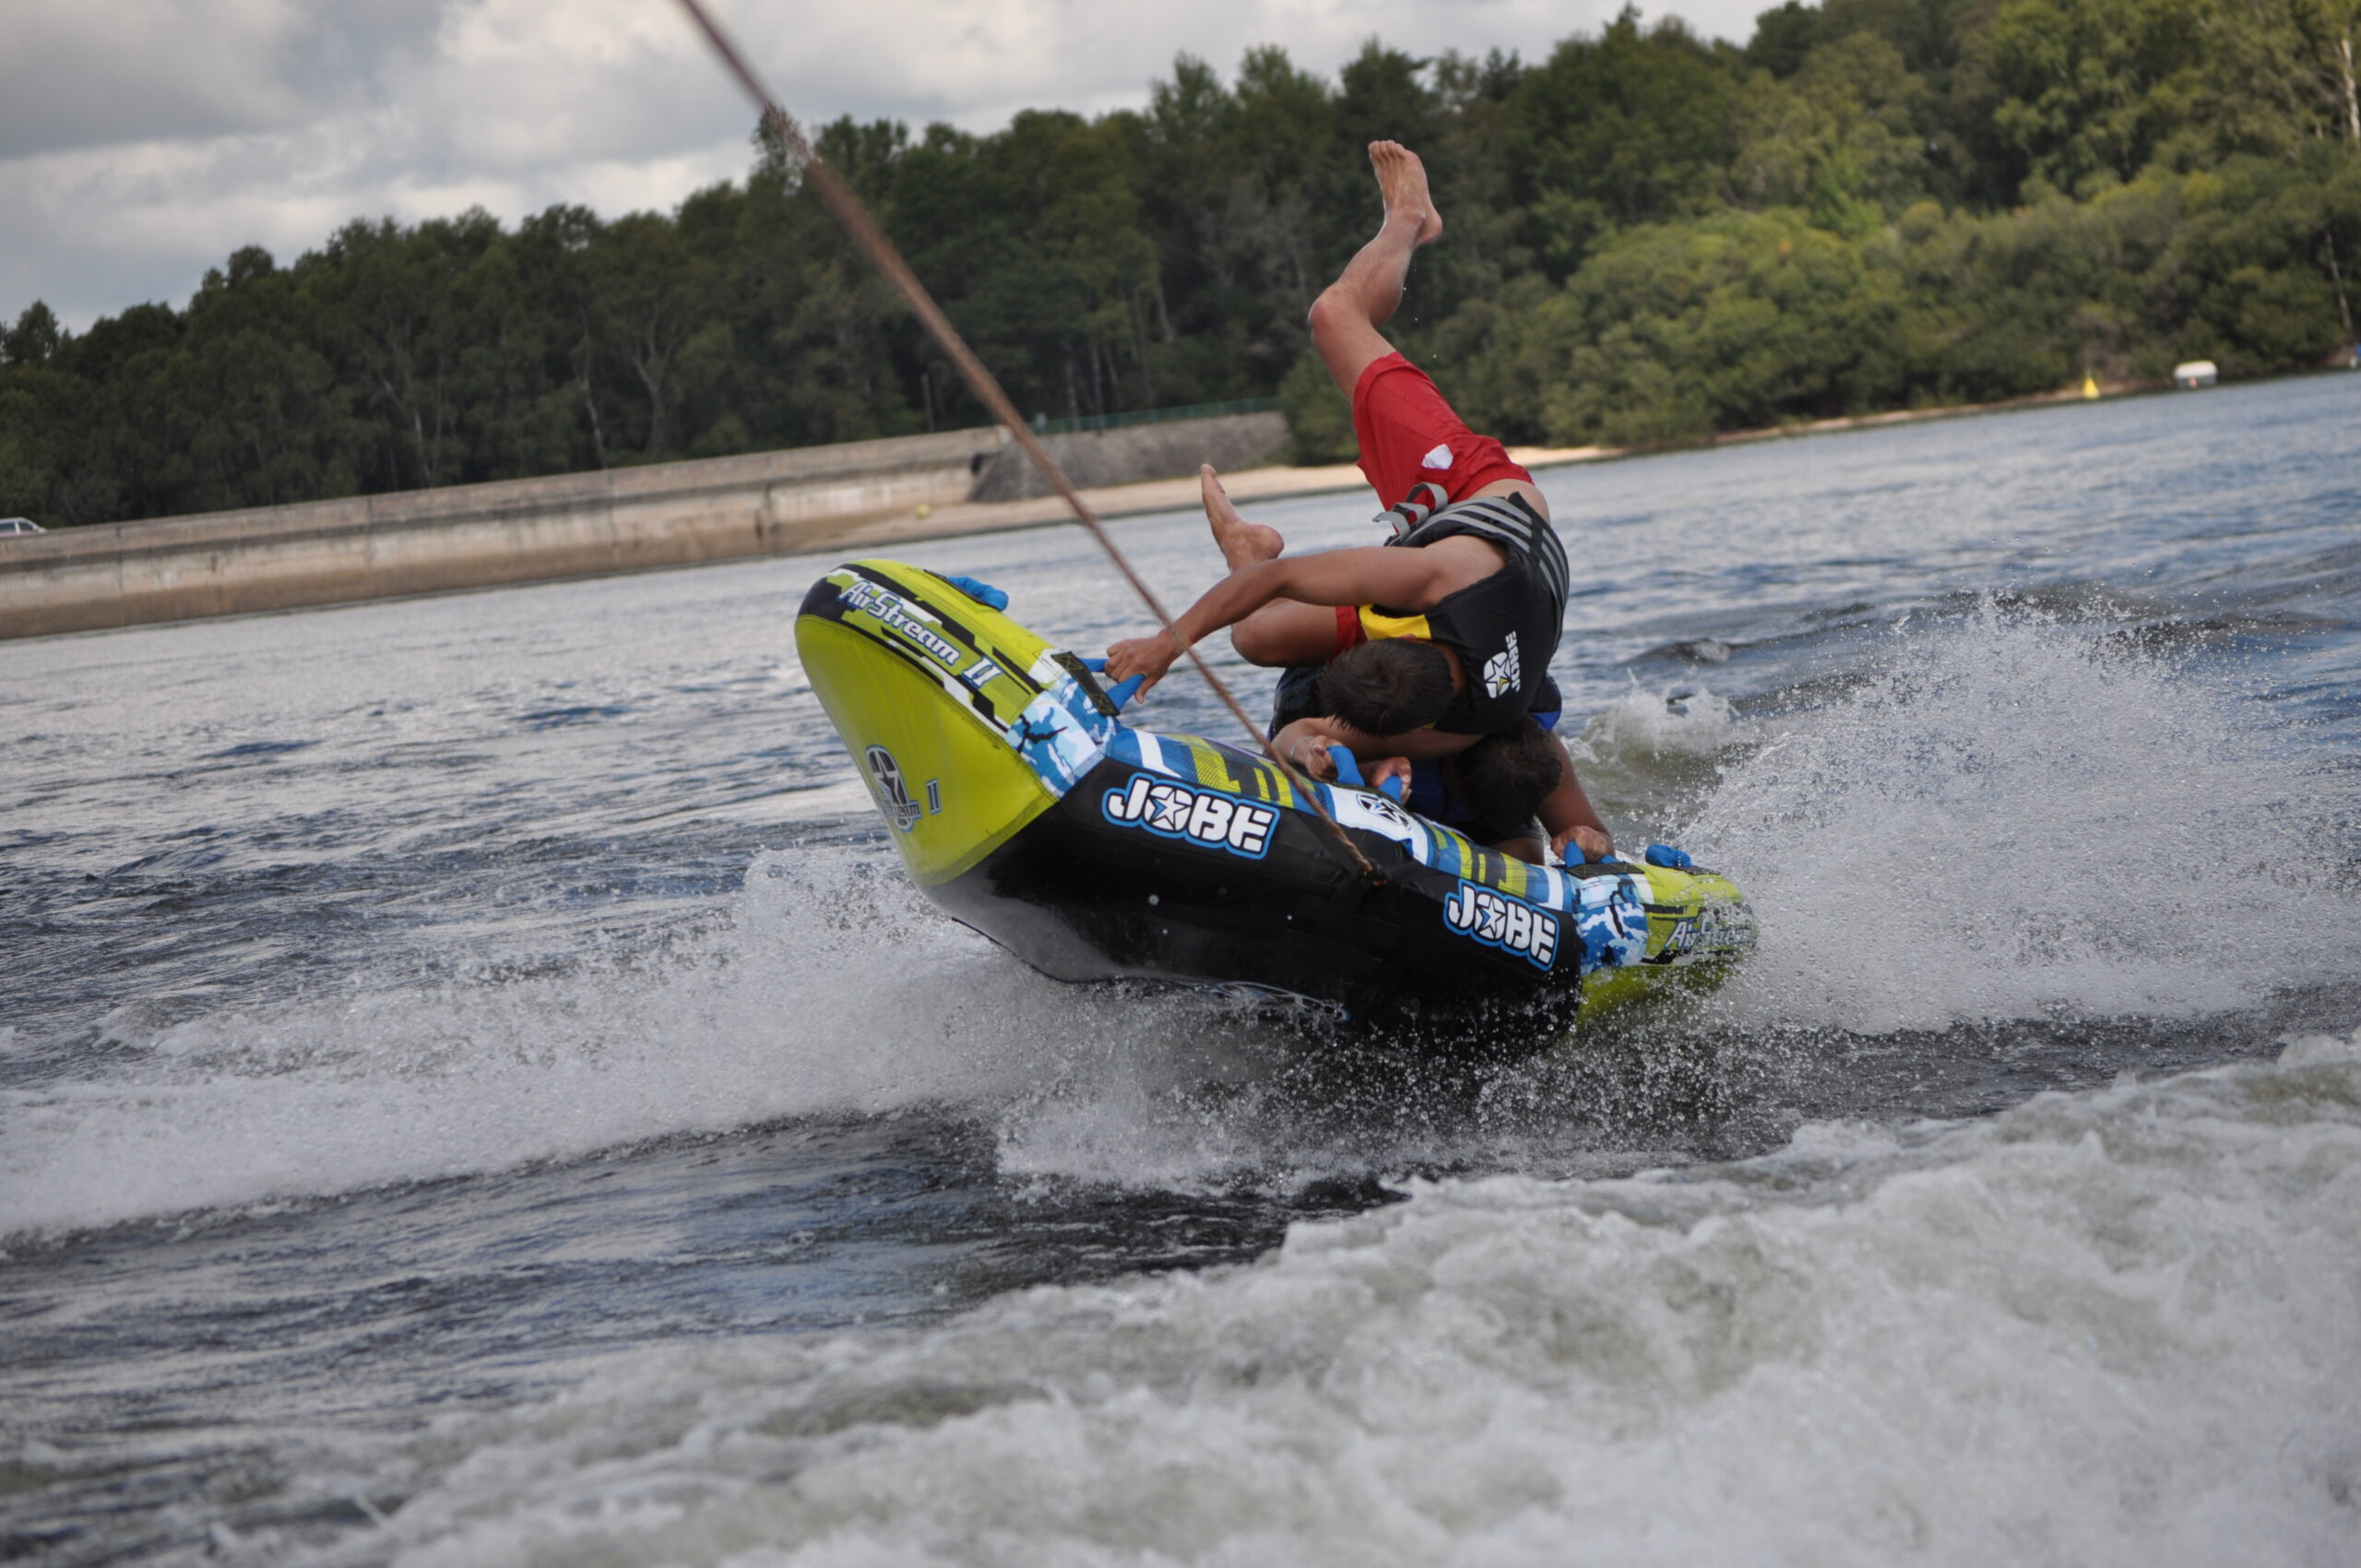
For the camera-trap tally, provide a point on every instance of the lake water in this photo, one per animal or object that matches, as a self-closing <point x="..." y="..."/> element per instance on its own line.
<point x="477" y="1088"/>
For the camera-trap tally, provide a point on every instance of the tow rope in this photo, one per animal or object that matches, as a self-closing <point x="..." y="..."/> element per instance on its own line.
<point x="854" y="215"/>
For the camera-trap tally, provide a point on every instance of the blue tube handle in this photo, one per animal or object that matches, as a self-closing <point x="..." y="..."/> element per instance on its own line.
<point x="1121" y="694"/>
<point x="981" y="592"/>
<point x="1348" y="771"/>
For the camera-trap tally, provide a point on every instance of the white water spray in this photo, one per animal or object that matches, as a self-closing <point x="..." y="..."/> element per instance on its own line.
<point x="2010" y="820"/>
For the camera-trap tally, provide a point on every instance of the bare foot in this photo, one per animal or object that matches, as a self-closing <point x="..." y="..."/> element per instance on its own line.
<point x="1402" y="181"/>
<point x="1242" y="543"/>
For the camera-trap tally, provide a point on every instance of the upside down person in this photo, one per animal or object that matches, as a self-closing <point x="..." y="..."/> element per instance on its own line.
<point x="1443" y="635"/>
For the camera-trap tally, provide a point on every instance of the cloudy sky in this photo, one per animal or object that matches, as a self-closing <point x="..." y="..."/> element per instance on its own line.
<point x="142" y="140"/>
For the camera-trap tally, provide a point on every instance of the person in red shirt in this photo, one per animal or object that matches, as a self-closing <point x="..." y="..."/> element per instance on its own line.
<point x="1470" y="595"/>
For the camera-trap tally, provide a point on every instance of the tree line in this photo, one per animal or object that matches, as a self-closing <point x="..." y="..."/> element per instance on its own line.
<point x="1649" y="237"/>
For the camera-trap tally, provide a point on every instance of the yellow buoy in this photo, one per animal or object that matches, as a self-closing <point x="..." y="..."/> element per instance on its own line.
<point x="2091" y="387"/>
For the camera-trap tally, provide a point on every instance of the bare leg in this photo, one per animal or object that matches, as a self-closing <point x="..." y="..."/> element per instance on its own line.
<point x="1347" y="316"/>
<point x="1345" y="322"/>
<point x="1285" y="632"/>
<point x="1242" y="543"/>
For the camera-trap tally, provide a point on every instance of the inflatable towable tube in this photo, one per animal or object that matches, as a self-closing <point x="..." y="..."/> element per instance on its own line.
<point x="1028" y="810"/>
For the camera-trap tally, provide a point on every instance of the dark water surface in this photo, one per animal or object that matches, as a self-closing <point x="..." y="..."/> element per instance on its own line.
<point x="475" y="1085"/>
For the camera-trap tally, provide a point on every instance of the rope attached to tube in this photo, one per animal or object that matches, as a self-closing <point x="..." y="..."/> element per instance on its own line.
<point x="850" y="212"/>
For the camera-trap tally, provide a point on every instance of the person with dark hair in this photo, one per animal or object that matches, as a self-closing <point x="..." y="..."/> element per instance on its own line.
<point x="1491" y="791"/>
<point x="1502" y="782"/>
<point x="1471" y="586"/>
<point x="1385" y="688"/>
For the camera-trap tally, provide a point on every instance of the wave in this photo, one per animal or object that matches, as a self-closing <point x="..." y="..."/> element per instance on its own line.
<point x="2108" y="1328"/>
<point x="832" y="989"/>
<point x="2011" y="818"/>
<point x="2007" y="821"/>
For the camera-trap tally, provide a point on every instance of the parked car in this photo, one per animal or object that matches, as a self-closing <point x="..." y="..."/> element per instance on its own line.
<point x="11" y="527"/>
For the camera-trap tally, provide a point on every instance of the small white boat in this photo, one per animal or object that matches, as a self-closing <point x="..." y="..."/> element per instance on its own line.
<point x="2192" y="373"/>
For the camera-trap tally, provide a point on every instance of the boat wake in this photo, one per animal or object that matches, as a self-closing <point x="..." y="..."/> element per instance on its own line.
<point x="2010" y="823"/>
<point x="2113" y="1327"/>
<point x="2014" y="818"/>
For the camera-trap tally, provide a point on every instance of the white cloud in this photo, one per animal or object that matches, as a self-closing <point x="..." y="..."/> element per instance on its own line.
<point x="142" y="140"/>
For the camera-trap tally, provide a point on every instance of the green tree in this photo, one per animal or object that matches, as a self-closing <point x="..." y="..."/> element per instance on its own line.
<point x="1634" y="126"/>
<point x="34" y="339"/>
<point x="2092" y="89"/>
<point x="1647" y="237"/>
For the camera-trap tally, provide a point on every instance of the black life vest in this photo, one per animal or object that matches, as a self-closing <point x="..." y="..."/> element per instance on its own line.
<point x="1504" y="628"/>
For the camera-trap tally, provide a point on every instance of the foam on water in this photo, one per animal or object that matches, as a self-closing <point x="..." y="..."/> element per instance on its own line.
<point x="834" y="989"/>
<point x="2012" y="818"/>
<point x="2006" y="822"/>
<point x="1640" y="729"/>
<point x="2111" y="1327"/>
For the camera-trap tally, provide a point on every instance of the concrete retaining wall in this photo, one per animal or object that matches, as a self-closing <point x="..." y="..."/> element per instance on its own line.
<point x="1091" y="458"/>
<point x="473" y="536"/>
<point x="573" y="525"/>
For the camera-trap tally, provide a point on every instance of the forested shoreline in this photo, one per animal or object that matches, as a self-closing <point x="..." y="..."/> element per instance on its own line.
<point x="1872" y="204"/>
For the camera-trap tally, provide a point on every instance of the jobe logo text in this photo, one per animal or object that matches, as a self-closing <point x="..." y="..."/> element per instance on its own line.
<point x="1498" y="921"/>
<point x="1201" y="816"/>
